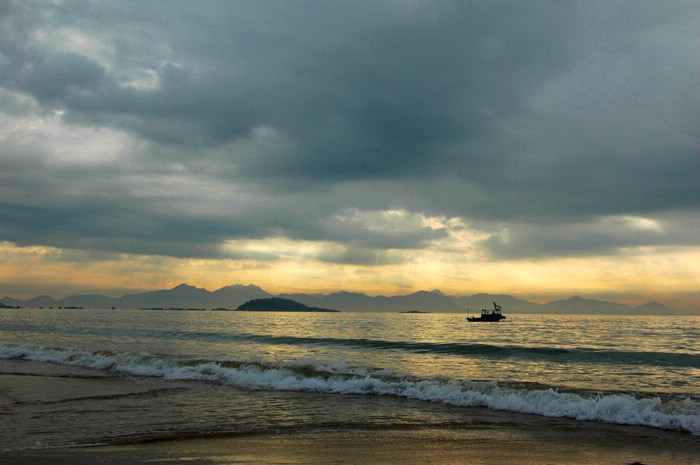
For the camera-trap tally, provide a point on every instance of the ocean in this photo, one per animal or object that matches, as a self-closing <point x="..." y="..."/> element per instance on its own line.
<point x="85" y="377"/>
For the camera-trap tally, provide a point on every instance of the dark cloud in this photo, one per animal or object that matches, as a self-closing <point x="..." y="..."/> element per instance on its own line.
<point x="359" y="256"/>
<point x="596" y="238"/>
<point x="58" y="75"/>
<point x="538" y="117"/>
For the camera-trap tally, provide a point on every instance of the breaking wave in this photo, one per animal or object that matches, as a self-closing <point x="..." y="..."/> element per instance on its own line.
<point x="312" y="376"/>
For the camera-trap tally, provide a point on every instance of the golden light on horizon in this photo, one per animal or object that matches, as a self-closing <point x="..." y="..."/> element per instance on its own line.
<point x="655" y="274"/>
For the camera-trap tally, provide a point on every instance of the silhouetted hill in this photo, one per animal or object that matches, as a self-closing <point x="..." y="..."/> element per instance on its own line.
<point x="41" y="301"/>
<point x="88" y="301"/>
<point x="509" y="303"/>
<point x="579" y="305"/>
<point x="653" y="308"/>
<point x="275" y="304"/>
<point x="182" y="295"/>
<point x="12" y="302"/>
<point x="346" y="301"/>
<point x="233" y="296"/>
<point x="434" y="301"/>
<point x="186" y="296"/>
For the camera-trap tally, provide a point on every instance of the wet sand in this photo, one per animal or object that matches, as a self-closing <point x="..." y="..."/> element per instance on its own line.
<point x="443" y="446"/>
<point x="503" y="438"/>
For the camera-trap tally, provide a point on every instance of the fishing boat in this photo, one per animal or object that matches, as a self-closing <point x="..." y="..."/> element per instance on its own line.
<point x="489" y="315"/>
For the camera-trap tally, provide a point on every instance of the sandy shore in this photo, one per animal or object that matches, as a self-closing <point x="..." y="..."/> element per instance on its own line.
<point x="496" y="438"/>
<point x="442" y="446"/>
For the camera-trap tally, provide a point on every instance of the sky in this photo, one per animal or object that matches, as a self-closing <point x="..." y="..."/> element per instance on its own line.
<point x="542" y="149"/>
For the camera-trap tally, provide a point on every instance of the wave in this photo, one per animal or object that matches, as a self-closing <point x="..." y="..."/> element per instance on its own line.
<point x="558" y="354"/>
<point x="582" y="354"/>
<point x="312" y="376"/>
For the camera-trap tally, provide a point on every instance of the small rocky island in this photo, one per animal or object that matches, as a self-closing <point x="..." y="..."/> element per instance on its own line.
<point x="276" y="304"/>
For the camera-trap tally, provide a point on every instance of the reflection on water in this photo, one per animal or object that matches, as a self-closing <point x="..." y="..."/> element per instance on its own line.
<point x="168" y="375"/>
<point x="586" y="352"/>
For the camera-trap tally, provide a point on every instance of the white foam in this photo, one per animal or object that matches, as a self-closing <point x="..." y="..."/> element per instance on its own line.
<point x="311" y="376"/>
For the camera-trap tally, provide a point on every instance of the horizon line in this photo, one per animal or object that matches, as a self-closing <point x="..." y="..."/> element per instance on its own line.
<point x="434" y="291"/>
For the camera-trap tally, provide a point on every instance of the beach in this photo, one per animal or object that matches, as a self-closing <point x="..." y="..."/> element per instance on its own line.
<point x="139" y="387"/>
<point x="445" y="446"/>
<point x="482" y="437"/>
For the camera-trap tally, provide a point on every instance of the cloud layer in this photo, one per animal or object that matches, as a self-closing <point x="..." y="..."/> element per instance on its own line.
<point x="173" y="128"/>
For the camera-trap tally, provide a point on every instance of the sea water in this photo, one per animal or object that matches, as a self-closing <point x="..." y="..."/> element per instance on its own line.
<point x="121" y="376"/>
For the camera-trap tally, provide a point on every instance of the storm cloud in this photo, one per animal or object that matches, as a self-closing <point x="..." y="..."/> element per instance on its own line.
<point x="170" y="128"/>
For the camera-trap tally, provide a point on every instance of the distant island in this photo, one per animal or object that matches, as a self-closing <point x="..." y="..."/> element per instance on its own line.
<point x="231" y="297"/>
<point x="276" y="304"/>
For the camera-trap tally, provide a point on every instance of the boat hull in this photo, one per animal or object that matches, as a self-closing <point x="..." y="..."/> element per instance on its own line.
<point x="492" y="319"/>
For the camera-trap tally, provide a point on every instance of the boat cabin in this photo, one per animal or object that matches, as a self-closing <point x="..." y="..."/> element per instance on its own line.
<point x="489" y="315"/>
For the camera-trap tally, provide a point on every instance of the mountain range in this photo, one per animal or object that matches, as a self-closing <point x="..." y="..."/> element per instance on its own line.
<point x="186" y="296"/>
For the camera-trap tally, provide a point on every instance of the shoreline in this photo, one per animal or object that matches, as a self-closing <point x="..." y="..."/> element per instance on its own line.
<point x="478" y="436"/>
<point x="28" y="389"/>
<point x="446" y="446"/>
<point x="59" y="414"/>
